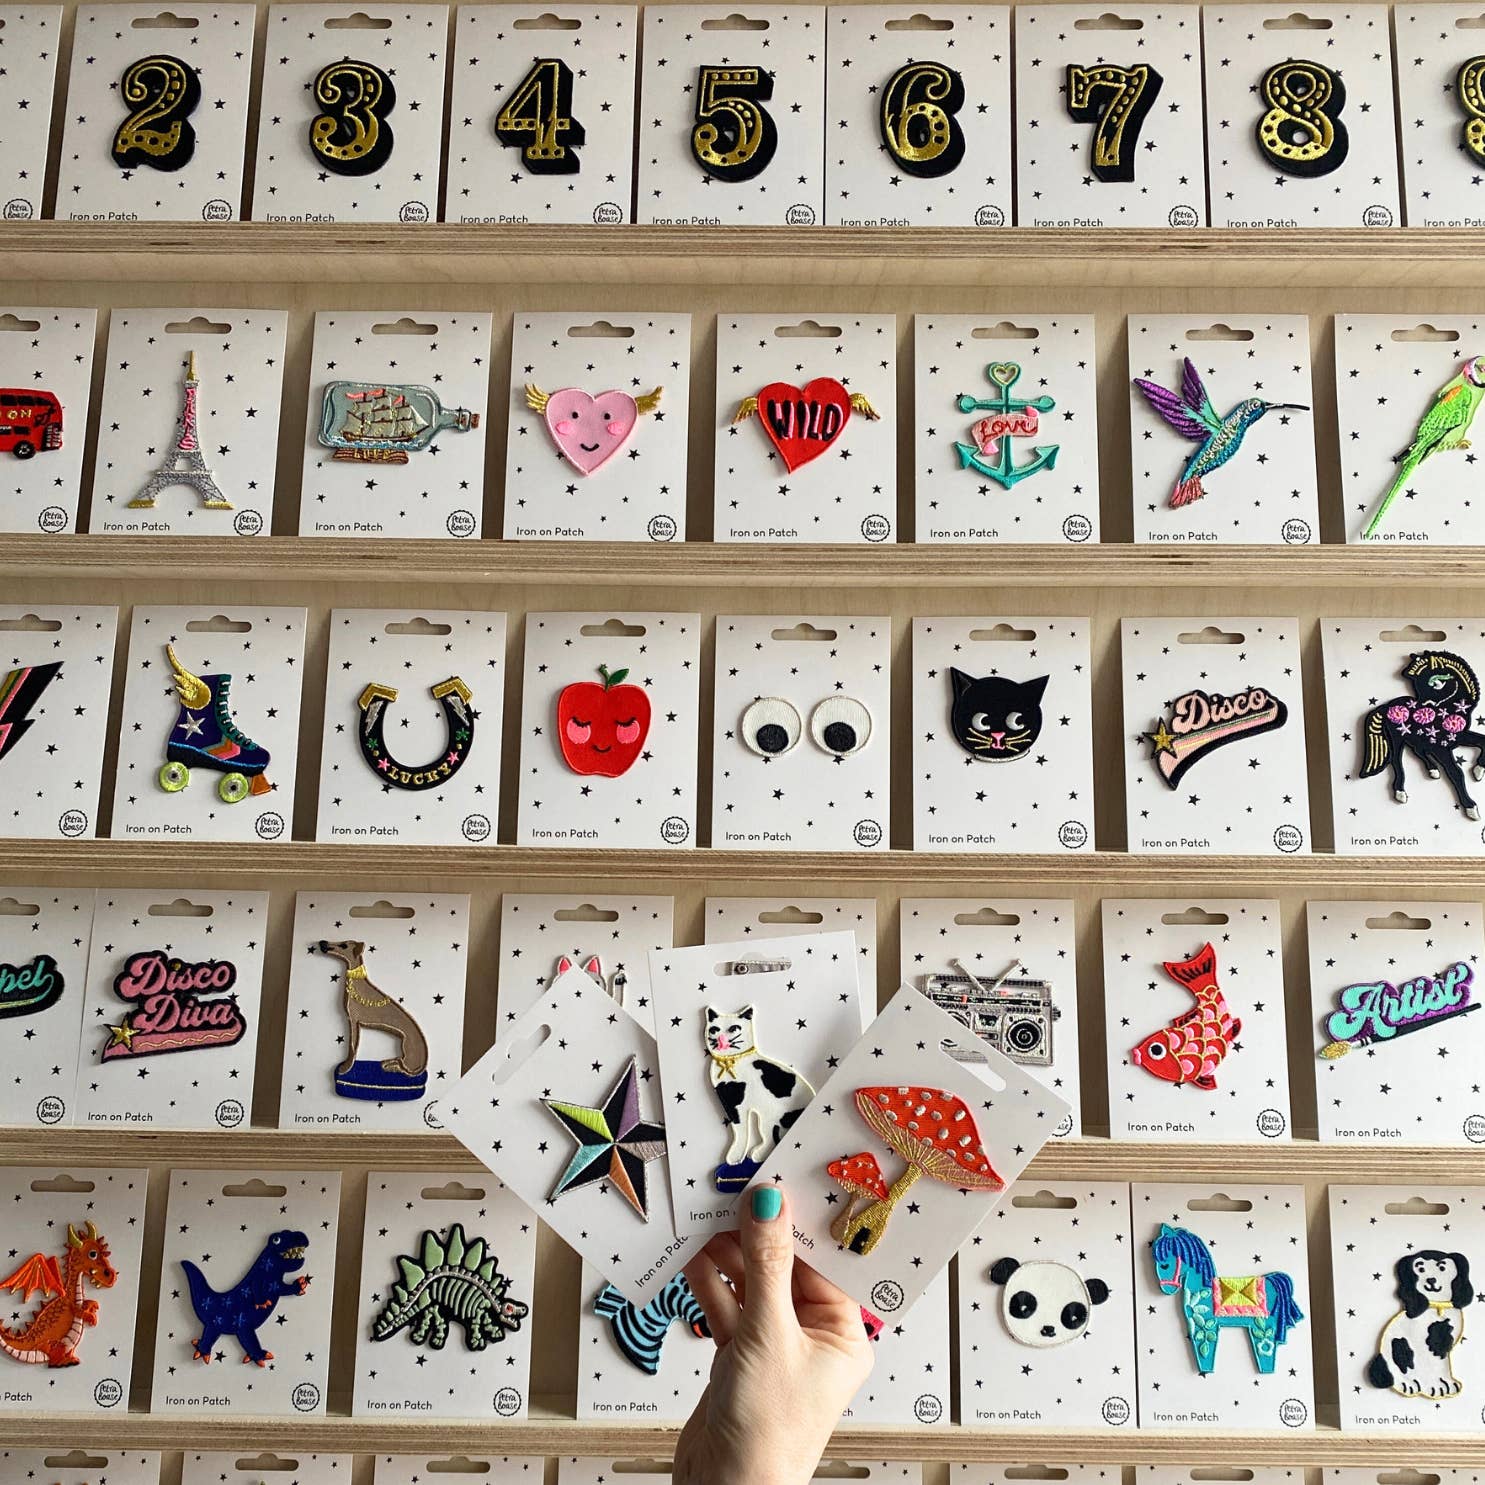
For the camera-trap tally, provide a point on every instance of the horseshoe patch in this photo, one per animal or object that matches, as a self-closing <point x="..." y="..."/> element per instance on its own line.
<point x="454" y="697"/>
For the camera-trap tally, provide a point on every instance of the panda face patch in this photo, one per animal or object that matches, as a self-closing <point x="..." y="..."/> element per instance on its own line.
<point x="1045" y="1304"/>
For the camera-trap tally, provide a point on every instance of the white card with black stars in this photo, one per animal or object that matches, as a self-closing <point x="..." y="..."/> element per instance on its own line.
<point x="1177" y="1474"/>
<point x="574" y="1471"/>
<point x="170" y="1017"/>
<point x="1403" y="716"/>
<point x="1247" y="1245"/>
<point x="801" y="752"/>
<point x="46" y="360"/>
<point x="45" y="1209"/>
<point x="1270" y="165"/>
<point x="412" y="742"/>
<point x="1220" y="1078"/>
<point x="1268" y="490"/>
<point x="56" y="673"/>
<point x="45" y="933"/>
<point x="1442" y="170"/>
<point x="515" y="68"/>
<point x="599" y="408"/>
<point x="609" y="730"/>
<point x="1033" y="941"/>
<point x="232" y="1467"/>
<point x="394" y="441"/>
<point x="729" y="918"/>
<point x="732" y="116"/>
<point x="538" y="930"/>
<point x="379" y="1050"/>
<point x="893" y="80"/>
<point x="1109" y="117"/>
<point x="417" y="1469"/>
<point x="120" y="1467"/>
<point x="806" y="444"/>
<point x="462" y="1347"/>
<point x="1005" y="421"/>
<point x="1405" y="1263"/>
<point x="190" y="405"/>
<point x="135" y="146"/>
<point x="1191" y="687"/>
<point x="367" y="144"/>
<point x="29" y="45"/>
<point x="208" y="741"/>
<point x="1050" y="1270"/>
<point x="225" y="1230"/>
<point x="1397" y="1044"/>
<point x="1007" y="1474"/>
<point x="1002" y="735"/>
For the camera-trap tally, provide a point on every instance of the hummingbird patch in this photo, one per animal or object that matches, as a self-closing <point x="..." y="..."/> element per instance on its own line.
<point x="992" y="453"/>
<point x="1203" y="720"/>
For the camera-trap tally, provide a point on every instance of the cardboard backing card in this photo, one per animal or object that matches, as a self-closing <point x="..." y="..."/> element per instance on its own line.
<point x="1398" y="1040"/>
<point x="1002" y="735"/>
<point x="133" y="81"/>
<point x="890" y="160"/>
<point x="380" y="1049"/>
<point x="208" y="748"/>
<point x="46" y="1210"/>
<point x="1239" y="1298"/>
<point x="1005" y="427"/>
<point x="801" y="756"/>
<point x="30" y="46"/>
<point x="1194" y="1009"/>
<point x="232" y="1467"/>
<point x="120" y="1466"/>
<point x="1046" y="1310"/>
<point x="1441" y="171"/>
<point x="509" y="60"/>
<point x="1267" y="489"/>
<point x="45" y="933"/>
<point x="413" y="1469"/>
<point x="1031" y="1016"/>
<point x="748" y="1032"/>
<point x="1174" y="1474"/>
<point x="1398" y="1249"/>
<point x="572" y="1471"/>
<point x="729" y="919"/>
<point x="1004" y="1474"/>
<point x="46" y="361"/>
<point x="56" y="673"/>
<point x="170" y="1019"/>
<point x="445" y="1318"/>
<point x="609" y="730"/>
<point x="1214" y="737"/>
<point x="598" y="416"/>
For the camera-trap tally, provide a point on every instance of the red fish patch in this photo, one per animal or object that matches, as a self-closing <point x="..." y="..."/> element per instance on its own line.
<point x="1190" y="1048"/>
<point x="803" y="422"/>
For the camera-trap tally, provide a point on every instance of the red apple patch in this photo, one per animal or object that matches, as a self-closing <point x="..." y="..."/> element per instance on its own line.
<point x="602" y="727"/>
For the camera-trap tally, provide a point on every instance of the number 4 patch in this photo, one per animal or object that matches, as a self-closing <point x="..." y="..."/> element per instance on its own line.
<point x="537" y="118"/>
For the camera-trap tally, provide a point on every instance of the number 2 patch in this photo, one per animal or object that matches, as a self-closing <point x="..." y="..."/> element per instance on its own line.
<point x="1116" y="101"/>
<point x="351" y="135"/>
<point x="162" y="93"/>
<point x="1302" y="133"/>
<point x="735" y="137"/>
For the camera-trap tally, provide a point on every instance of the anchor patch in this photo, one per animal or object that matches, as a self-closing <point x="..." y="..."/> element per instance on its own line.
<point x="992" y="453"/>
<point x="453" y="696"/>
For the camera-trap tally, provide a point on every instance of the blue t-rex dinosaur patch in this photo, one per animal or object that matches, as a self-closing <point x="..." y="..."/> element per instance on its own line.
<point x="242" y="1310"/>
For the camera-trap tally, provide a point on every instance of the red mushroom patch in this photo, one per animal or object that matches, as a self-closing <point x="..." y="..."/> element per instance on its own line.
<point x="602" y="727"/>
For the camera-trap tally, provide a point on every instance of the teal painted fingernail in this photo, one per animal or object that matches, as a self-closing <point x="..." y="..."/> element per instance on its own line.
<point x="768" y="1202"/>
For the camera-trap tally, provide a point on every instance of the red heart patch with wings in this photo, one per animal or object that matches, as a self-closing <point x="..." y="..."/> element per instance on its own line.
<point x="802" y="423"/>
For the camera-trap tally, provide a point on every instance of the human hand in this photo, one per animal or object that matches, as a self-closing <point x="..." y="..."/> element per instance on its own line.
<point x="791" y="1354"/>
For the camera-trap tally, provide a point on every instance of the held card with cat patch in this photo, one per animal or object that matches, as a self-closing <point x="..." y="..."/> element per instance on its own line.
<point x="743" y="918"/>
<point x="1214" y="744"/>
<point x="1406" y="1267"/>
<point x="48" y="370"/>
<point x="170" y="1017"/>
<point x="1002" y="735"/>
<point x="411" y="747"/>
<point x="538" y="114"/>
<point x="747" y="1033"/>
<point x="801" y="757"/>
<point x="33" y="35"/>
<point x="1224" y="1316"/>
<point x="1007" y="971"/>
<point x="806" y="425"/>
<point x="208" y="747"/>
<point x="56" y="673"/>
<point x="918" y="117"/>
<point x="1440" y="70"/>
<point x="935" y="1142"/>
<point x="596" y="449"/>
<point x="1194" y="1013"/>
<point x="45" y="933"/>
<point x="417" y="1469"/>
<point x="444" y="1319"/>
<point x="1222" y="429"/>
<point x="1397" y="1040"/>
<point x="376" y="1010"/>
<point x="1050" y="1270"/>
<point x="609" y="730"/>
<point x="80" y="1466"/>
<point x="233" y="1467"/>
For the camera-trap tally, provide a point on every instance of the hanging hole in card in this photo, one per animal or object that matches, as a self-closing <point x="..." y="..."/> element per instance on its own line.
<point x="1219" y="331"/>
<point x="612" y="629"/>
<point x="256" y="1189"/>
<point x="76" y="1459"/>
<point x="1428" y="334"/>
<point x="1216" y="1472"/>
<point x="1004" y="634"/>
<point x="9" y="322"/>
<point x="453" y="1191"/>
<point x="641" y="1467"/>
<point x="1193" y="917"/>
<point x="600" y="330"/>
<point x="457" y="1464"/>
<point x="1108" y="21"/>
<point x="167" y="20"/>
<point x="920" y="22"/>
<point x="791" y="915"/>
<point x="1470" y="23"/>
<point x="62" y="1183"/>
<point x="198" y="325"/>
<point x="585" y="913"/>
<point x="1210" y="635"/>
<point x="1044" y="1201"/>
<point x="803" y="631"/>
<point x="1408" y="1477"/>
<point x="1412" y="634"/>
<point x="1397" y="919"/>
<point x="218" y="624"/>
<point x="1219" y="1202"/>
<point x="752" y="966"/>
<point x="30" y="624"/>
<point x="359" y="21"/>
<point x="973" y="1058"/>
<point x="515" y="1054"/>
<point x="273" y="1463"/>
<point x="1297" y="20"/>
<point x="418" y="626"/>
<point x="807" y="330"/>
<point x="405" y="326"/>
<point x="1005" y="330"/>
<point x="182" y="907"/>
<point x="546" y="21"/>
<point x="734" y="22"/>
<point x="381" y="908"/>
<point x="838" y="1469"/>
<point x="1417" y="1206"/>
<point x="10" y="908"/>
<point x="987" y="917"/>
<point x="1035" y="1472"/>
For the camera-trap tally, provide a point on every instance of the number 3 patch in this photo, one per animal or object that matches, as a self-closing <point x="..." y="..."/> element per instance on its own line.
<point x="351" y="136"/>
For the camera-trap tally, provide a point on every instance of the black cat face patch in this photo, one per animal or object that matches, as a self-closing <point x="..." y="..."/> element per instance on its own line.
<point x="994" y="718"/>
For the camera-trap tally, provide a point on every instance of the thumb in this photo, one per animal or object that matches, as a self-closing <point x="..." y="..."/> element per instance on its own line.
<point x="767" y="1239"/>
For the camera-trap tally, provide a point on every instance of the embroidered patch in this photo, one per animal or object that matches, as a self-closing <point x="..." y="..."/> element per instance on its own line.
<point x="917" y="119"/>
<point x="770" y="726"/>
<point x="1013" y="1015"/>
<point x="602" y="727"/>
<point x="640" y="1331"/>
<point x="1202" y="721"/>
<point x="994" y="718"/>
<point x="399" y="1079"/>
<point x="26" y="989"/>
<point x="162" y="92"/>
<point x="992" y="453"/>
<point x="587" y="430"/>
<point x="1377" y="1012"/>
<point x="1044" y="1303"/>
<point x="453" y="698"/>
<point x="177" y="1006"/>
<point x="383" y="422"/>
<point x="1415" y="1352"/>
<point x="351" y="135"/>
<point x="20" y="690"/>
<point x="244" y="1309"/>
<point x="1302" y="133"/>
<point x="185" y="464"/>
<point x="840" y="725"/>
<point x="52" y="1335"/>
<point x="206" y="735"/>
<point x="1116" y="101"/>
<point x="1191" y="1046"/>
<point x="453" y="1281"/>
<point x="803" y="422"/>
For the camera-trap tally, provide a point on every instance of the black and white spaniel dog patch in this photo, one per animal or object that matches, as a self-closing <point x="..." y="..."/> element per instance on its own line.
<point x="1415" y="1353"/>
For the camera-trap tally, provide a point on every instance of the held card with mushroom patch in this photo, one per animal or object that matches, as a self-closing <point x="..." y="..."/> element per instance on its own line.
<point x="609" y="730"/>
<point x="801" y="755"/>
<point x="32" y="32"/>
<point x="1194" y="1012"/>
<point x="1397" y="1040"/>
<point x="1002" y="735"/>
<point x="934" y="1143"/>
<point x="1441" y="65"/>
<point x="747" y="1032"/>
<point x="598" y="413"/>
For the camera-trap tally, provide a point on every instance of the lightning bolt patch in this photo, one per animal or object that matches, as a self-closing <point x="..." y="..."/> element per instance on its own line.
<point x="20" y="689"/>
